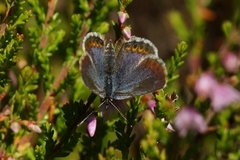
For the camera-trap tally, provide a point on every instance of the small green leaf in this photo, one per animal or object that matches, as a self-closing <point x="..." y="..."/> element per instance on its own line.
<point x="179" y="25"/>
<point x="22" y="18"/>
<point x="227" y="28"/>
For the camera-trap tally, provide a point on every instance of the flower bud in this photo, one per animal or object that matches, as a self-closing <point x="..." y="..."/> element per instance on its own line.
<point x="122" y="16"/>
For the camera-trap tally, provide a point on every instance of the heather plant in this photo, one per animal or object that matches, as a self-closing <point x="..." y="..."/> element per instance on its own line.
<point x="46" y="112"/>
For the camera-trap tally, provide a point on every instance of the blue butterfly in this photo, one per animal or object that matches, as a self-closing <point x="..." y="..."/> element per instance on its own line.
<point x="132" y="69"/>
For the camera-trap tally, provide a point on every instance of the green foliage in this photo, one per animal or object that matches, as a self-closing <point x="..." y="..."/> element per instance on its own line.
<point x="10" y="46"/>
<point x="124" y="132"/>
<point x="156" y="136"/>
<point x="227" y="28"/>
<point x="177" y="61"/>
<point x="64" y="146"/>
<point x="179" y="25"/>
<point x="38" y="11"/>
<point x="10" y="43"/>
<point x="44" y="105"/>
<point x="123" y="4"/>
<point x="24" y="99"/>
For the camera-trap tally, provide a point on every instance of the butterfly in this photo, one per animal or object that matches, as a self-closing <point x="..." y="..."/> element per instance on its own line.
<point x="131" y="69"/>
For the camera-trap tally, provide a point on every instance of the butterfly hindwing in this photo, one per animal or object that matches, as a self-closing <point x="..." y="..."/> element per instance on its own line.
<point x="140" y="69"/>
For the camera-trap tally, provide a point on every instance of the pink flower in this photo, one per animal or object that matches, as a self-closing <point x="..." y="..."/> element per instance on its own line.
<point x="122" y="16"/>
<point x="91" y="125"/>
<point x="35" y="128"/>
<point x="223" y="95"/>
<point x="170" y="128"/>
<point x="205" y="85"/>
<point x="188" y="119"/>
<point x="31" y="125"/>
<point x="149" y="100"/>
<point x="152" y="104"/>
<point x="230" y="62"/>
<point x="15" y="127"/>
<point x="126" y="31"/>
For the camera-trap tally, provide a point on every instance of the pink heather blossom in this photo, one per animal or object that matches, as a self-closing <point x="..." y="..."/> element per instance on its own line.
<point x="188" y="119"/>
<point x="126" y="31"/>
<point x="169" y="127"/>
<point x="91" y="125"/>
<point x="35" y="128"/>
<point x="204" y="85"/>
<point x="149" y="100"/>
<point x="151" y="104"/>
<point x="223" y="95"/>
<point x="31" y="125"/>
<point x="231" y="62"/>
<point x="122" y="16"/>
<point x="15" y="127"/>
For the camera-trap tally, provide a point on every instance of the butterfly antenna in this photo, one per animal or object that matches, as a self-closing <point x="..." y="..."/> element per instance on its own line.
<point x="101" y="105"/>
<point x="89" y="114"/>
<point x="87" y="117"/>
<point x="118" y="111"/>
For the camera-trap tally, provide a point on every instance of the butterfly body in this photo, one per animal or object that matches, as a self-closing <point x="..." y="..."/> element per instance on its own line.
<point x="109" y="70"/>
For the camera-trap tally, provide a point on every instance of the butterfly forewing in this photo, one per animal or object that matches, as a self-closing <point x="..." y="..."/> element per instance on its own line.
<point x="91" y="64"/>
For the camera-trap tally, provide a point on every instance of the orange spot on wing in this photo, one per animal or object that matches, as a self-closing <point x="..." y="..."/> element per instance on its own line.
<point x="93" y="43"/>
<point x="127" y="48"/>
<point x="141" y="49"/>
<point x="134" y="48"/>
